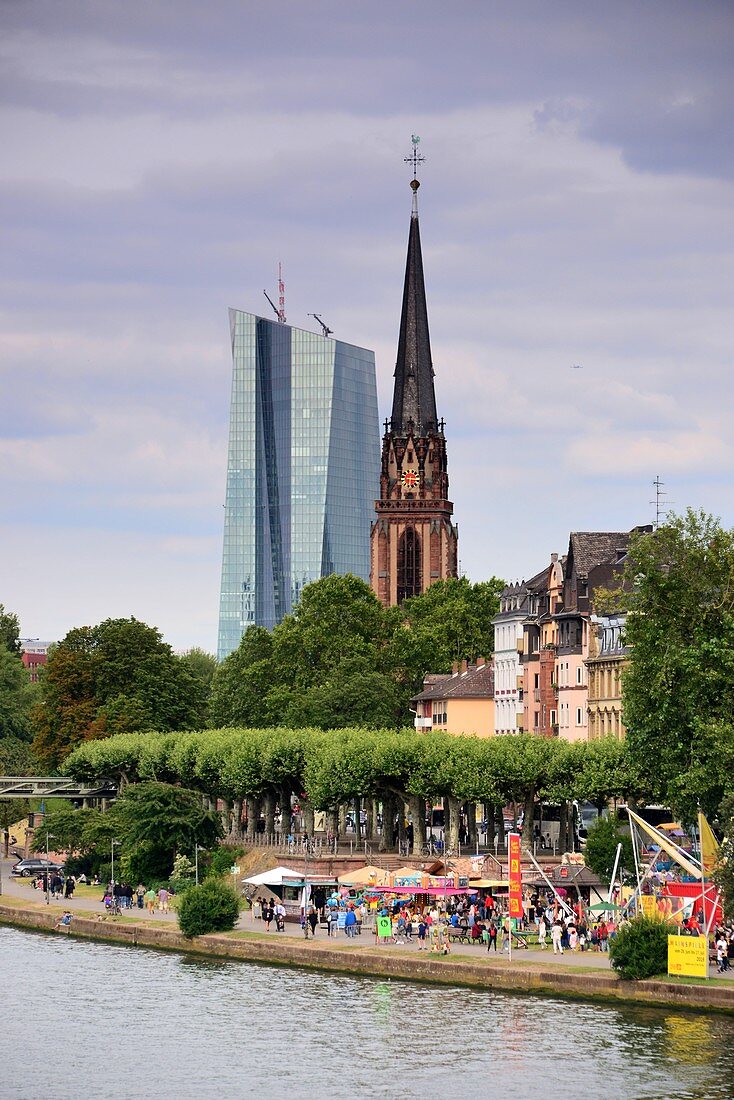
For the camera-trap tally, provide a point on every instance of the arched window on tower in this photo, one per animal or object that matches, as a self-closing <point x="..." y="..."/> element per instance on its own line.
<point x="409" y="565"/>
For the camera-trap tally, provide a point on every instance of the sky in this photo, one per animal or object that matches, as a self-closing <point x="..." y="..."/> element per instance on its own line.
<point x="157" y="161"/>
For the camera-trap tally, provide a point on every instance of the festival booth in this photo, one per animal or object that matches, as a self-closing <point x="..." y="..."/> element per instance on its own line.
<point x="296" y="890"/>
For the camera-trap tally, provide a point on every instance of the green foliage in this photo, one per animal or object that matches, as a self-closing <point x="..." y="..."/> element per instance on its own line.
<point x="724" y="871"/>
<point x="679" y="688"/>
<point x="17" y="695"/>
<point x="451" y="621"/>
<point x="640" y="948"/>
<point x="222" y="858"/>
<point x="201" y="666"/>
<point x="9" y="630"/>
<point x="211" y="907"/>
<point x="117" y="677"/>
<point x="601" y="849"/>
<point x="164" y="820"/>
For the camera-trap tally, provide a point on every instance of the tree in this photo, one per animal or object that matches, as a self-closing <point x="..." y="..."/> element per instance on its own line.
<point x="601" y="850"/>
<point x="9" y="630"/>
<point x="201" y="666"/>
<point x="678" y="690"/>
<point x="117" y="677"/>
<point x="165" y="820"/>
<point x="724" y="871"/>
<point x="241" y="684"/>
<point x="17" y="696"/>
<point x="451" y="621"/>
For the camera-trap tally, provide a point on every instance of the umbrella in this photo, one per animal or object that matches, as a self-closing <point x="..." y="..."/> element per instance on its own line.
<point x="602" y="907"/>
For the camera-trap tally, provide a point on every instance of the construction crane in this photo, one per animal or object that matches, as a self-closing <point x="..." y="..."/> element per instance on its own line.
<point x="324" y="328"/>
<point x="278" y="310"/>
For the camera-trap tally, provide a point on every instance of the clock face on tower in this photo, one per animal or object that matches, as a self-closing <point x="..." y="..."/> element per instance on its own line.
<point x="410" y="479"/>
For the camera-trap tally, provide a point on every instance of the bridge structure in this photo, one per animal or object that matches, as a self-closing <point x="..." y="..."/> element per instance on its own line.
<point x="54" y="786"/>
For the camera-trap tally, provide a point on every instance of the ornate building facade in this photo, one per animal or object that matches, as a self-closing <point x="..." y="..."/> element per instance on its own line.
<point x="414" y="542"/>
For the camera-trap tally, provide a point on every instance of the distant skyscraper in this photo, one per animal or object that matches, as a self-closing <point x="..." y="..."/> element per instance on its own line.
<point x="301" y="472"/>
<point x="414" y="540"/>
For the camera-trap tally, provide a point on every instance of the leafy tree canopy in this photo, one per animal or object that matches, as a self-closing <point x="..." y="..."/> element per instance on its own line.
<point x="343" y="659"/>
<point x="679" y="687"/>
<point x="117" y="677"/>
<point x="17" y="696"/>
<point x="601" y="850"/>
<point x="9" y="630"/>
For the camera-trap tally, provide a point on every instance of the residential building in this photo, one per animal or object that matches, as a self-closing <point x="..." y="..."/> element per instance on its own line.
<point x="34" y="655"/>
<point x="461" y="701"/>
<point x="540" y="697"/>
<point x="301" y="470"/>
<point x="414" y="540"/>
<point x="608" y="655"/>
<point x="518" y="604"/>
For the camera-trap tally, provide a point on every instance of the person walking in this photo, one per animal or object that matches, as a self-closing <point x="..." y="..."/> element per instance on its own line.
<point x="313" y="920"/>
<point x="542" y="932"/>
<point x="557" y="929"/>
<point x="140" y="895"/>
<point x="150" y="900"/>
<point x="492" y="937"/>
<point x="268" y="915"/>
<point x="163" y="899"/>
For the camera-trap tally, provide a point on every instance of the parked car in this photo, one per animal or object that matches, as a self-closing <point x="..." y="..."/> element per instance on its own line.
<point x="28" y="868"/>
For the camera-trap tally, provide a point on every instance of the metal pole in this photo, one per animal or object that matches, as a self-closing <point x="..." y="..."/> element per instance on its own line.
<point x="196" y="864"/>
<point x="614" y="873"/>
<point x="557" y="896"/>
<point x="48" y="876"/>
<point x="637" y="865"/>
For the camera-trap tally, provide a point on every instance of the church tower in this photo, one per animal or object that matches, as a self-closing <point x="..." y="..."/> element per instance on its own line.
<point x="413" y="540"/>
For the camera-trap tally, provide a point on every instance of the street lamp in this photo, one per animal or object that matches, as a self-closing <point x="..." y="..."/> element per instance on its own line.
<point x="48" y="875"/>
<point x="113" y="842"/>
<point x="197" y="849"/>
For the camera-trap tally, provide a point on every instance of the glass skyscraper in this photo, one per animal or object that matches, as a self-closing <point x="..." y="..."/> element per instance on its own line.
<point x="302" y="469"/>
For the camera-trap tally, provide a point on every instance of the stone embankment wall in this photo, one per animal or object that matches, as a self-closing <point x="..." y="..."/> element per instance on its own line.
<point x="530" y="977"/>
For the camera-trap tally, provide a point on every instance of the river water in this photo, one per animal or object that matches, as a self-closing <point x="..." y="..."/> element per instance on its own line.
<point x="81" y="1019"/>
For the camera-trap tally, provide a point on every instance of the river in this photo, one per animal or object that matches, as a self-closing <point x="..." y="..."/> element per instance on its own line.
<point x="84" y="1019"/>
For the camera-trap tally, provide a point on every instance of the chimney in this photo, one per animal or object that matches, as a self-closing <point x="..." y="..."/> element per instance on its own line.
<point x="455" y="668"/>
<point x="464" y="666"/>
<point x="554" y="558"/>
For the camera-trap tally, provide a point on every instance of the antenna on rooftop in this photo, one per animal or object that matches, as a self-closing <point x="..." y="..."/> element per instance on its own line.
<point x="661" y="509"/>
<point x="324" y="328"/>
<point x="278" y="310"/>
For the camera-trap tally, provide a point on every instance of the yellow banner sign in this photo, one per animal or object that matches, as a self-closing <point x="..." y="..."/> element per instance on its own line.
<point x="688" y="955"/>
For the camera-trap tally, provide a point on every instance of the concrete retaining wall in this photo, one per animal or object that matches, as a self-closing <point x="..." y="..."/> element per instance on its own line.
<point x="486" y="975"/>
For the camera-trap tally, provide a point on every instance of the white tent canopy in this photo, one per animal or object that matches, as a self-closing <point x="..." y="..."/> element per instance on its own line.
<point x="276" y="876"/>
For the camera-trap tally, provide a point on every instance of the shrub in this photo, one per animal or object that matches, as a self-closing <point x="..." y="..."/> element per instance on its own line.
<point x="211" y="907"/>
<point x="640" y="948"/>
<point x="222" y="858"/>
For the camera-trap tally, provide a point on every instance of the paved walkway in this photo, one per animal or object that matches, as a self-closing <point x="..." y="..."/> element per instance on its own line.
<point x="22" y="889"/>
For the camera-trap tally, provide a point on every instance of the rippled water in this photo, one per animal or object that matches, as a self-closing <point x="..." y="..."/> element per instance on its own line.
<point x="89" y="1020"/>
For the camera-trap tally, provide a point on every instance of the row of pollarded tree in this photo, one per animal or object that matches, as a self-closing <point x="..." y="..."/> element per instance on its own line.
<point x="253" y="773"/>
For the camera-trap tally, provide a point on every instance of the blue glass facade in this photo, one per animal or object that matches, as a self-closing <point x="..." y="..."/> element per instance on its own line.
<point x="302" y="469"/>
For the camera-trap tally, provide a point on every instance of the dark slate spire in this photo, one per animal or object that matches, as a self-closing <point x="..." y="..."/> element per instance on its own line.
<point x="414" y="397"/>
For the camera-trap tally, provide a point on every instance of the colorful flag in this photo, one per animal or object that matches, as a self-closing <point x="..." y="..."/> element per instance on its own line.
<point x="515" y="874"/>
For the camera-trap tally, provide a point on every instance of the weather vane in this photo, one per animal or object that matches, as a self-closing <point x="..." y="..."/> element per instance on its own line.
<point x="415" y="158"/>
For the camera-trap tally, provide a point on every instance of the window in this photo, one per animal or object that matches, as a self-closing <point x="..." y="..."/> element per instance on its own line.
<point x="409" y="565"/>
<point x="579" y="675"/>
<point x="536" y="719"/>
<point x="579" y="716"/>
<point x="536" y="680"/>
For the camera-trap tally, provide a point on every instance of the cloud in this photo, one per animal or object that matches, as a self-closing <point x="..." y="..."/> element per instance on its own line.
<point x="576" y="208"/>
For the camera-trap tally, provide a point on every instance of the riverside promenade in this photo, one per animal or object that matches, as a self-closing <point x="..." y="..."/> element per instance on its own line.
<point x="580" y="976"/>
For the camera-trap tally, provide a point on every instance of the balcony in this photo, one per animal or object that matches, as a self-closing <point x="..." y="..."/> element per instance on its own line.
<point x="422" y="723"/>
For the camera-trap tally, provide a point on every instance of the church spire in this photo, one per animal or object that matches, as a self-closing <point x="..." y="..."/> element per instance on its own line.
<point x="414" y="397"/>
